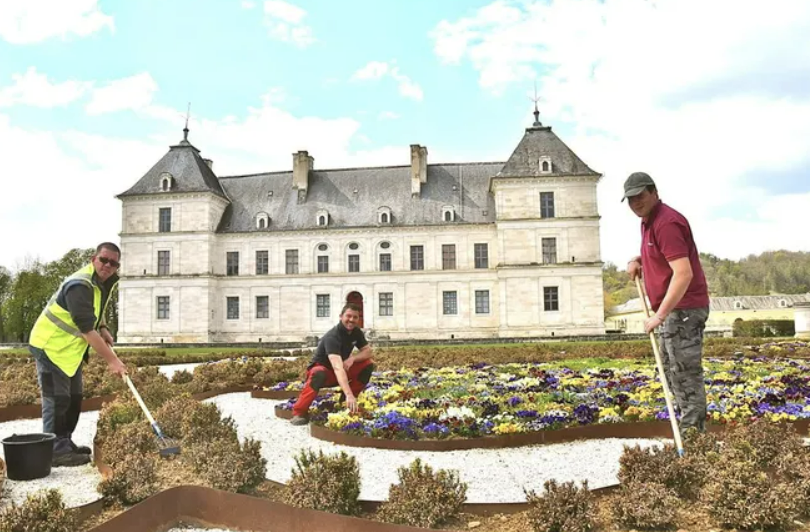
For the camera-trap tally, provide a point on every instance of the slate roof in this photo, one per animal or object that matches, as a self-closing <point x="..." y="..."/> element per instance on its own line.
<point x="720" y="304"/>
<point x="334" y="191"/>
<point x="538" y="141"/>
<point x="189" y="170"/>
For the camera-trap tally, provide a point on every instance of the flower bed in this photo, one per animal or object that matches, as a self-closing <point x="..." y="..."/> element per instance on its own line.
<point x="482" y="400"/>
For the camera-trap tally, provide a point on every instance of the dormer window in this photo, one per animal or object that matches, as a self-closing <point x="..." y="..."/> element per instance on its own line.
<point x="783" y="303"/>
<point x="384" y="215"/>
<point x="322" y="218"/>
<point x="262" y="220"/>
<point x="448" y="214"/>
<point x="738" y="305"/>
<point x="166" y="181"/>
<point x="545" y="164"/>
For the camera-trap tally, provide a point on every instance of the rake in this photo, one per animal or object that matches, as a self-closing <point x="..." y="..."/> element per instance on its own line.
<point x="676" y="433"/>
<point x="167" y="446"/>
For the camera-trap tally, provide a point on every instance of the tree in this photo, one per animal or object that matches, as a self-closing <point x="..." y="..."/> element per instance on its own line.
<point x="5" y="292"/>
<point x="29" y="294"/>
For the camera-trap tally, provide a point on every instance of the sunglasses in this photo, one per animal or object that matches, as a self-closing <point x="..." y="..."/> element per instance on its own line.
<point x="105" y="260"/>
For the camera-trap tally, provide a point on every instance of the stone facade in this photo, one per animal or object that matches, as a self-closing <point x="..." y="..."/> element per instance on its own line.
<point x="496" y="252"/>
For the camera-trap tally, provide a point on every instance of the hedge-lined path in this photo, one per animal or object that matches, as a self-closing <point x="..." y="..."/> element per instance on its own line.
<point x="493" y="475"/>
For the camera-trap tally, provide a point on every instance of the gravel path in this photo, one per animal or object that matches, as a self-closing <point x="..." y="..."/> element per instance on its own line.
<point x="77" y="484"/>
<point x="493" y="475"/>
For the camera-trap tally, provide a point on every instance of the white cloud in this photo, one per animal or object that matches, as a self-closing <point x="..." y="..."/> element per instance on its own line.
<point x="285" y="23"/>
<point x="247" y="4"/>
<point x="375" y="70"/>
<point x="700" y="100"/>
<point x="31" y="21"/>
<point x="34" y="89"/>
<point x="388" y="115"/>
<point x="134" y="92"/>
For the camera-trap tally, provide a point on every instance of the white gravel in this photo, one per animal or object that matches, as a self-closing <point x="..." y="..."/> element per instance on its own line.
<point x="492" y="475"/>
<point x="77" y="484"/>
<point x="171" y="369"/>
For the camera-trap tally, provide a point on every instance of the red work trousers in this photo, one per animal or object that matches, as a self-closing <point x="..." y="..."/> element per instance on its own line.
<point x="309" y="392"/>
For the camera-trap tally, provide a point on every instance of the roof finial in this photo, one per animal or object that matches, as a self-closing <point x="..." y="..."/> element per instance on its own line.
<point x="185" y="129"/>
<point x="536" y="112"/>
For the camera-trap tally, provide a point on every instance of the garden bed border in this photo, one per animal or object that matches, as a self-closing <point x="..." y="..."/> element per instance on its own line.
<point x="598" y="431"/>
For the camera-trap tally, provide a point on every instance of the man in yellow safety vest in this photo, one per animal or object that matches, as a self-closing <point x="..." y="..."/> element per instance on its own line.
<point x="71" y="323"/>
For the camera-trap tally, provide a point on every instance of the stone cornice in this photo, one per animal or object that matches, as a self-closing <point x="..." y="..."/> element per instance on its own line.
<point x="553" y="179"/>
<point x="548" y="221"/>
<point x="368" y="229"/>
<point x="156" y="197"/>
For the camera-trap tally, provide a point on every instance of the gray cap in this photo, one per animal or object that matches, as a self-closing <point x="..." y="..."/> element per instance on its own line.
<point x="636" y="183"/>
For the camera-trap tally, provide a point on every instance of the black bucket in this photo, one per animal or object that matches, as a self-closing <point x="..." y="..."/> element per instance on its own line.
<point x="28" y="456"/>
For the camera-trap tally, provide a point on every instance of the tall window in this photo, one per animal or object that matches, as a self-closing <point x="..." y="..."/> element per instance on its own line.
<point x="417" y="258"/>
<point x="262" y="262"/>
<point x="323" y="264"/>
<point x="232" y="263"/>
<point x="164" y="262"/>
<point x="322" y="305"/>
<point x="448" y="256"/>
<point x="551" y="298"/>
<point x="232" y="308"/>
<point x="450" y="303"/>
<point x="262" y="307"/>
<point x="482" y="301"/>
<point x="354" y="263"/>
<point x="385" y="262"/>
<point x="549" y="251"/>
<point x="291" y="260"/>
<point x="482" y="256"/>
<point x="165" y="220"/>
<point x="163" y="307"/>
<point x="386" y="303"/>
<point x="547" y="205"/>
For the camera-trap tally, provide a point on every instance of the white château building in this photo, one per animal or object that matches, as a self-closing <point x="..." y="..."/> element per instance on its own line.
<point x="429" y="251"/>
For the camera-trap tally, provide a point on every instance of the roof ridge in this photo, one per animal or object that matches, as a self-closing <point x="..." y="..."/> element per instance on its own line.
<point x="348" y="169"/>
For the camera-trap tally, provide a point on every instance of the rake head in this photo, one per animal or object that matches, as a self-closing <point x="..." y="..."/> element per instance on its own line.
<point x="168" y="447"/>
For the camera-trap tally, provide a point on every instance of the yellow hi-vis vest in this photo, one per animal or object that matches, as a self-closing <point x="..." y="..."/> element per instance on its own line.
<point x="55" y="331"/>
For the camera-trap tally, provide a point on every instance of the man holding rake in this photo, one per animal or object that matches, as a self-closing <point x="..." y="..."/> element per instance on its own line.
<point x="673" y="277"/>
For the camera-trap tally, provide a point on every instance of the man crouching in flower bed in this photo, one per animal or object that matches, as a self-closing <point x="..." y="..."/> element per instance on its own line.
<point x="333" y="363"/>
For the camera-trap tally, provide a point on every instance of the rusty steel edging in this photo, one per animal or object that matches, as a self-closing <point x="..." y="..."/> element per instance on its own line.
<point x="211" y="507"/>
<point x="273" y="394"/>
<point x="631" y="430"/>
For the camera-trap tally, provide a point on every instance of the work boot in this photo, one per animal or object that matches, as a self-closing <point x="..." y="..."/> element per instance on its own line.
<point x="299" y="421"/>
<point x="70" y="459"/>
<point x="80" y="449"/>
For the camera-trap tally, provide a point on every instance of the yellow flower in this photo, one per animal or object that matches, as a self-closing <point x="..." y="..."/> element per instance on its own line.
<point x="509" y="428"/>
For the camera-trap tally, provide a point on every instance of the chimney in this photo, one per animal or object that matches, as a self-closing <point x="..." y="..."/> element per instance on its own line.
<point x="418" y="168"/>
<point x="302" y="165"/>
<point x="210" y="164"/>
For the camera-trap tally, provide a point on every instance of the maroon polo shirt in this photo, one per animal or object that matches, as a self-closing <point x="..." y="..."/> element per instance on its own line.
<point x="666" y="236"/>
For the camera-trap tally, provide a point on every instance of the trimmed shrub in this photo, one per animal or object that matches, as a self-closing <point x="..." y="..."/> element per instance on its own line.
<point x="134" y="438"/>
<point x="116" y="414"/>
<point x="423" y="498"/>
<point x="764" y="328"/>
<point x="330" y="483"/>
<point x="42" y="512"/>
<point x="175" y="414"/>
<point x="227" y="465"/>
<point x="205" y="423"/>
<point x="764" y="441"/>
<point x="645" y="505"/>
<point x="685" y="475"/>
<point x="182" y="377"/>
<point x="134" y="478"/>
<point x="562" y="508"/>
<point x="740" y="495"/>
<point x="795" y="469"/>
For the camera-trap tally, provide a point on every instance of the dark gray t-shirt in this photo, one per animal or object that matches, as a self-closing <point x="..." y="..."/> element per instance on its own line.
<point x="338" y="341"/>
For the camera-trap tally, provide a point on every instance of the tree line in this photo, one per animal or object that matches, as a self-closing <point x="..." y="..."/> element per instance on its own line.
<point x="772" y="272"/>
<point x="25" y="292"/>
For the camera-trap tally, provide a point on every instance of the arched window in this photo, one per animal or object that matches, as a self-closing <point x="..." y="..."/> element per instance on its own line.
<point x="545" y="166"/>
<point x="783" y="303"/>
<point x="448" y="216"/>
<point x="384" y="215"/>
<point x="738" y="305"/>
<point x="384" y="218"/>
<point x="165" y="182"/>
<point x="321" y="220"/>
<point x="262" y="220"/>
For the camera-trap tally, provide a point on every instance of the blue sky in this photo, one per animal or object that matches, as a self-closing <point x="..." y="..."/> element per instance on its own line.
<point x="92" y="92"/>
